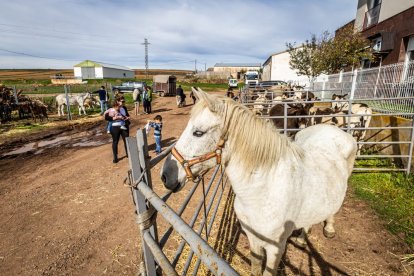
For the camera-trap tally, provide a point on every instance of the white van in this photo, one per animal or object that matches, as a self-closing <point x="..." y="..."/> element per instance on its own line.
<point x="232" y="83"/>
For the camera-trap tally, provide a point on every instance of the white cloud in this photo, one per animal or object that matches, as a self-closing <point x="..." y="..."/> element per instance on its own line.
<point x="179" y="31"/>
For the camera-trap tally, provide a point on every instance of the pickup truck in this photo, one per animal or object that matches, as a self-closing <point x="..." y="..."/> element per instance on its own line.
<point x="128" y="87"/>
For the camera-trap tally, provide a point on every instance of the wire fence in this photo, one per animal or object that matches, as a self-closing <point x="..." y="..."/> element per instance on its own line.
<point x="384" y="82"/>
<point x="384" y="136"/>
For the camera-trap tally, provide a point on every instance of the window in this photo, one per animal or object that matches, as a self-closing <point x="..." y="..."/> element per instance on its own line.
<point x="376" y="44"/>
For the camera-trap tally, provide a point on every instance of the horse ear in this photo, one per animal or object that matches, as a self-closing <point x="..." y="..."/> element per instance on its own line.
<point x="345" y="95"/>
<point x="203" y="96"/>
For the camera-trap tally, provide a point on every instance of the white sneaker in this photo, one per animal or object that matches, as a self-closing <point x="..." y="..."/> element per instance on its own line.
<point x="108" y="132"/>
<point x="123" y="127"/>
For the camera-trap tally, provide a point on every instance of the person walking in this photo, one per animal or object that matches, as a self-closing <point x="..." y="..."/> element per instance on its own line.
<point x="103" y="99"/>
<point x="117" y="131"/>
<point x="137" y="100"/>
<point x="146" y="99"/>
<point x="180" y="97"/>
<point x="192" y="96"/>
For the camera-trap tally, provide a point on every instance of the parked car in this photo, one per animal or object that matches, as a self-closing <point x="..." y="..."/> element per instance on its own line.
<point x="276" y="85"/>
<point x="128" y="87"/>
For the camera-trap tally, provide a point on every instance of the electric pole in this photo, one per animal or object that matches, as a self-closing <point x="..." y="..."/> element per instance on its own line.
<point x="195" y="66"/>
<point x="146" y="43"/>
<point x="205" y="67"/>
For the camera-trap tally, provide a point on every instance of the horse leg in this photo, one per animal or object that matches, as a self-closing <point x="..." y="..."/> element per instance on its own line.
<point x="256" y="258"/>
<point x="257" y="254"/>
<point x="328" y="229"/>
<point x="301" y="240"/>
<point x="274" y="254"/>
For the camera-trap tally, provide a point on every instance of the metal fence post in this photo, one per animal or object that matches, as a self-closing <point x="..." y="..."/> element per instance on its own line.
<point x="410" y="148"/>
<point x="15" y="94"/>
<point x="144" y="161"/>
<point x="354" y="83"/>
<point x="111" y="91"/>
<point x="285" y="118"/>
<point x="67" y="101"/>
<point x="139" y="199"/>
<point x="323" y="89"/>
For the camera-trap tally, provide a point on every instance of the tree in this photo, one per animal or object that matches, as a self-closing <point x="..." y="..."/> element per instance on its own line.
<point x="329" y="54"/>
<point x="302" y="58"/>
<point x="345" y="49"/>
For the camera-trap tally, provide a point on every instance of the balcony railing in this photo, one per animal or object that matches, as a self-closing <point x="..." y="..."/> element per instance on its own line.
<point x="372" y="16"/>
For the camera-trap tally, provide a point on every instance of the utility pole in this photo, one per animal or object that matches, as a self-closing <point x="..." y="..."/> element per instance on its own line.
<point x="205" y="67"/>
<point x="195" y="66"/>
<point x="146" y="43"/>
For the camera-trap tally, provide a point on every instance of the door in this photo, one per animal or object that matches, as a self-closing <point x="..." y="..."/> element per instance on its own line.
<point x="88" y="72"/>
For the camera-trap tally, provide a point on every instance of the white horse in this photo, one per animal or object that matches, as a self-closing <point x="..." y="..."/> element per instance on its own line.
<point x="279" y="185"/>
<point x="73" y="100"/>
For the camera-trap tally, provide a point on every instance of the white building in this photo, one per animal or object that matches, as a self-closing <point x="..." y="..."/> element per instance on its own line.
<point x="89" y="69"/>
<point x="235" y="70"/>
<point x="277" y="67"/>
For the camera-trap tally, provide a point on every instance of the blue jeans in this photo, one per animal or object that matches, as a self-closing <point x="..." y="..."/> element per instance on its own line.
<point x="104" y="106"/>
<point x="157" y="143"/>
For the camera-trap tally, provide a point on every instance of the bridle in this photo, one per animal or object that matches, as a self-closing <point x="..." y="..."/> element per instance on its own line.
<point x="187" y="164"/>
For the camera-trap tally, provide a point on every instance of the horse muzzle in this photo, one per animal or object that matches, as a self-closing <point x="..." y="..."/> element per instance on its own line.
<point x="172" y="175"/>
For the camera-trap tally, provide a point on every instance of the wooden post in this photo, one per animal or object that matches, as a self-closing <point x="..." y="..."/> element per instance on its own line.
<point x="67" y="102"/>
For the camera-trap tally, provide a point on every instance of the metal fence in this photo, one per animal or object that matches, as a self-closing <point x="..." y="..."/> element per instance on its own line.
<point x="389" y="137"/>
<point x="390" y="81"/>
<point x="148" y="204"/>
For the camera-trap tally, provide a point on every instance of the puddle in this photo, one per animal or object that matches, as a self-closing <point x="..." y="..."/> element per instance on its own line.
<point x="25" y="148"/>
<point x="80" y="139"/>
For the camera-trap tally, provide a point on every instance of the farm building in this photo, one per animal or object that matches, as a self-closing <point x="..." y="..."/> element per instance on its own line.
<point x="277" y="67"/>
<point x="388" y="24"/>
<point x="89" y="69"/>
<point x="235" y="70"/>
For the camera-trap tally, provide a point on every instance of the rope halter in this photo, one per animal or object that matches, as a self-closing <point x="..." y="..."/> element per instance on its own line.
<point x="187" y="164"/>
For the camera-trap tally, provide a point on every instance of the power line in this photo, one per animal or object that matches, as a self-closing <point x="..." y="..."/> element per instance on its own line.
<point x="36" y="56"/>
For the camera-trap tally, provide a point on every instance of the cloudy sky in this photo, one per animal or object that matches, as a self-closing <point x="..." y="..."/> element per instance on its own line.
<point x="60" y="33"/>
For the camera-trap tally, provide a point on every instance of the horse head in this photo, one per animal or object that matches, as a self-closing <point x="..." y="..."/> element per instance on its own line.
<point x="338" y="106"/>
<point x="197" y="149"/>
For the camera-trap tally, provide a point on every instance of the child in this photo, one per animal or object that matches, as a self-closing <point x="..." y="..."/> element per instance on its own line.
<point x="113" y="112"/>
<point x="157" y="125"/>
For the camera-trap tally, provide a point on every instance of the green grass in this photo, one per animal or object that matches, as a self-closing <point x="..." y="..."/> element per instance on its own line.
<point x="391" y="195"/>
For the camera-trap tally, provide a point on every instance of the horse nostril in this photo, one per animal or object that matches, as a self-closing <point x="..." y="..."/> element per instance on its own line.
<point x="163" y="179"/>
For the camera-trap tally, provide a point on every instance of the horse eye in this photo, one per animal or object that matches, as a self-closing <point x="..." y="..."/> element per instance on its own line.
<point x="198" y="133"/>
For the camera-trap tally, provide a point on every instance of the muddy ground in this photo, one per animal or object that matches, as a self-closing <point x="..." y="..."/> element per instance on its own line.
<point x="64" y="211"/>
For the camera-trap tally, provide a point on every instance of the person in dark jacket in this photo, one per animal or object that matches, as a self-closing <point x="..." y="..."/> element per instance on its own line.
<point x="103" y="99"/>
<point x="117" y="132"/>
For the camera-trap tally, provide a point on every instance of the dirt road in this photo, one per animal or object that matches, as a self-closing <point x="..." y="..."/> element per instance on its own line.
<point x="65" y="211"/>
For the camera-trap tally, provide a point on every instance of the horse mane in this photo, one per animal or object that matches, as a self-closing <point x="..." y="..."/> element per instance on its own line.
<point x="266" y="145"/>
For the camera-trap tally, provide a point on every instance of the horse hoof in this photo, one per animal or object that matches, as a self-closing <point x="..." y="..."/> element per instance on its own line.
<point x="328" y="234"/>
<point x="301" y="243"/>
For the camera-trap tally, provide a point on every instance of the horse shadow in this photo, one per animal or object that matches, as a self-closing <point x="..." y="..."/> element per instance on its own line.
<point x="229" y="234"/>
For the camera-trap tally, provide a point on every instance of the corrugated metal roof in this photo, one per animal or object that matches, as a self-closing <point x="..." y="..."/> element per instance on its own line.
<point x="91" y="63"/>
<point x="238" y="65"/>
